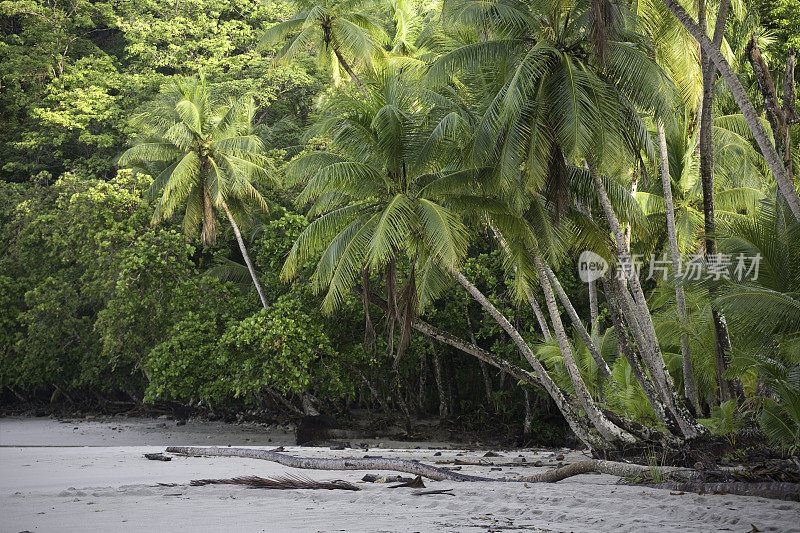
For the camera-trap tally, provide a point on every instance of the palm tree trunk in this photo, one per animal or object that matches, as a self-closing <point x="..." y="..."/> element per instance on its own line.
<point x="537" y="311"/>
<point x="642" y="322"/>
<point x="576" y="322"/>
<point x="245" y="255"/>
<point x="593" y="311"/>
<point x="706" y="148"/>
<point x="487" y="379"/>
<point x="527" y="424"/>
<point x="437" y="374"/>
<point x="785" y="182"/>
<point x="568" y="411"/>
<point x="625" y="348"/>
<point x="689" y="384"/>
<point x="349" y="70"/>
<point x="606" y="428"/>
<point x="423" y="374"/>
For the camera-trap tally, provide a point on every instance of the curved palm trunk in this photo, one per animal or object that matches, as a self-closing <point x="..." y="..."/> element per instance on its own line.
<point x="537" y="311"/>
<point x="642" y="322"/>
<point x="245" y="255"/>
<point x="349" y="70"/>
<point x="568" y="411"/>
<point x="689" y="385"/>
<point x="606" y="428"/>
<point x="784" y="180"/>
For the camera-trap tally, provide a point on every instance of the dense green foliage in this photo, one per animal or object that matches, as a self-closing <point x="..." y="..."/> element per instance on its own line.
<point x="379" y="150"/>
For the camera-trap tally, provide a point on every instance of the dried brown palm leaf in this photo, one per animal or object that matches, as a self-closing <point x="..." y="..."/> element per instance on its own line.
<point x="286" y="482"/>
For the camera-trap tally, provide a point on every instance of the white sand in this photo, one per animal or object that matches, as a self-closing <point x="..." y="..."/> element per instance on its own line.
<point x="94" y="478"/>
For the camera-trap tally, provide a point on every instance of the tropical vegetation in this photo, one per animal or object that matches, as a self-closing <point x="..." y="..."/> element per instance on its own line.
<point x="391" y="198"/>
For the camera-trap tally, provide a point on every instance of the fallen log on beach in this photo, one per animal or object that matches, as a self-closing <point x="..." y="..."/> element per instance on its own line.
<point x="420" y="469"/>
<point x="370" y="463"/>
<point x="676" y="478"/>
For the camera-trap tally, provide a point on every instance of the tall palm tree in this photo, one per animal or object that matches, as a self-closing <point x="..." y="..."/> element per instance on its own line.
<point x="344" y="33"/>
<point x="204" y="158"/>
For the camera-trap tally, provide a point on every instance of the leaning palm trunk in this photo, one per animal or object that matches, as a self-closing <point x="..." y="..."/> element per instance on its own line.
<point x="689" y="384"/>
<point x="349" y="71"/>
<point x="641" y="322"/>
<point x="610" y="285"/>
<point x="576" y="322"/>
<point x="245" y="255"/>
<point x="782" y="177"/>
<point x="607" y="429"/>
<point x="537" y="311"/>
<point x="568" y="411"/>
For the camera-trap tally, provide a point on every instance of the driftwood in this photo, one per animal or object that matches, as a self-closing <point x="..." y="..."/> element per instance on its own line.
<point x="286" y="482"/>
<point x="370" y="463"/>
<point x="676" y="478"/>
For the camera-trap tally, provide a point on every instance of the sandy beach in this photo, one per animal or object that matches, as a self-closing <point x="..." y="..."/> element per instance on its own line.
<point x="90" y="475"/>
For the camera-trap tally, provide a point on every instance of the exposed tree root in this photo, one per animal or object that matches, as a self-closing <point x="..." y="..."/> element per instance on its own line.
<point x="601" y="466"/>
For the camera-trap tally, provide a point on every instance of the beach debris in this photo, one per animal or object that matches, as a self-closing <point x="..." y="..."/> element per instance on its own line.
<point x="158" y="457"/>
<point x="448" y="492"/>
<point x="287" y="482"/>
<point x="372" y="478"/>
<point x="415" y="483"/>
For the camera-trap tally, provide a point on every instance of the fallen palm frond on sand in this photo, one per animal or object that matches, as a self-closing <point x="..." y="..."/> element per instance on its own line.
<point x="287" y="482"/>
<point x="785" y="491"/>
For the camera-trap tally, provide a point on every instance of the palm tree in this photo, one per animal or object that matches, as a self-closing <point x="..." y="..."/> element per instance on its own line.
<point x="205" y="158"/>
<point x="568" y="96"/>
<point x="776" y="165"/>
<point x="343" y="32"/>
